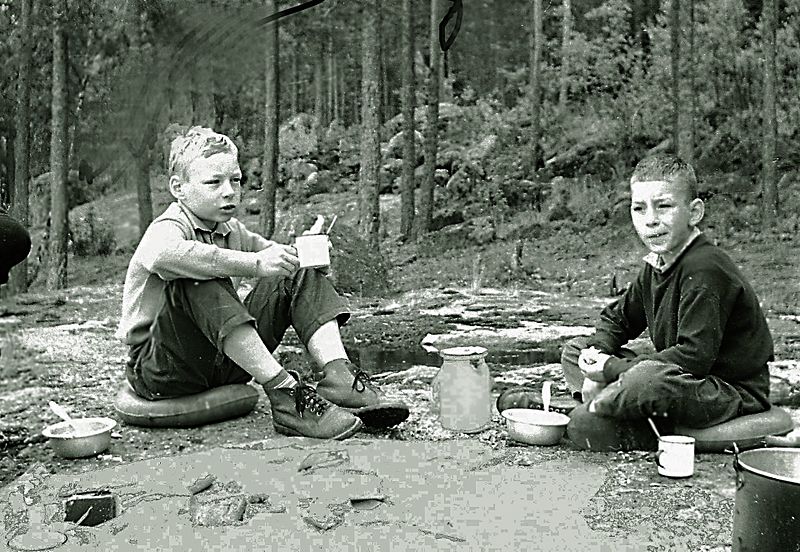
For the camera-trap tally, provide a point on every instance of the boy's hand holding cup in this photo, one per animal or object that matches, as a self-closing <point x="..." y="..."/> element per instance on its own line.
<point x="277" y="260"/>
<point x="591" y="362"/>
<point x="313" y="247"/>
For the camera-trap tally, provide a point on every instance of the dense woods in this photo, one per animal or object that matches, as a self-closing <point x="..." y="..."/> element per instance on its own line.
<point x="359" y="95"/>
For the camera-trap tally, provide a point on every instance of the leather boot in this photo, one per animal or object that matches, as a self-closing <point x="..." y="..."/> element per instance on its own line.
<point x="348" y="386"/>
<point x="301" y="411"/>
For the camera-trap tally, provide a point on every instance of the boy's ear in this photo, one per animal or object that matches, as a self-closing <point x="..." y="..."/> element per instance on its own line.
<point x="696" y="209"/>
<point x="175" y="186"/>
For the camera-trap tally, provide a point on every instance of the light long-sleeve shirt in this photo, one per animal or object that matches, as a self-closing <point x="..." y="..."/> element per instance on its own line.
<point x="179" y="245"/>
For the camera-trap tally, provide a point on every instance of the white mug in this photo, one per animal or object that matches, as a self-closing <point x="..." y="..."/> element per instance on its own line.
<point x="313" y="250"/>
<point x="675" y="456"/>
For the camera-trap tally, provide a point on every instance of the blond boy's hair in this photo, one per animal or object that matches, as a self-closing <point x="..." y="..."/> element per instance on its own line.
<point x="667" y="168"/>
<point x="197" y="142"/>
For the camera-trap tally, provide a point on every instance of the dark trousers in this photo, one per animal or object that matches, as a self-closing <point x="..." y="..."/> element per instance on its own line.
<point x="658" y="390"/>
<point x="183" y="353"/>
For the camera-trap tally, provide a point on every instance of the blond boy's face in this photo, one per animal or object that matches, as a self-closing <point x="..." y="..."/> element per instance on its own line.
<point x="212" y="187"/>
<point x="662" y="215"/>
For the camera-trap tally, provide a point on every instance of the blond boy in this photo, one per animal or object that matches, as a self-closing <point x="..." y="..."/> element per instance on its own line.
<point x="188" y="331"/>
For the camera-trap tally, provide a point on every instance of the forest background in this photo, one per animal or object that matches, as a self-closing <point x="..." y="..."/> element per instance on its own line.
<point x="525" y="128"/>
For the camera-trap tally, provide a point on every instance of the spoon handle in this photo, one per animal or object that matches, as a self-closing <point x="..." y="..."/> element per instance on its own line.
<point x="60" y="411"/>
<point x="546" y="395"/>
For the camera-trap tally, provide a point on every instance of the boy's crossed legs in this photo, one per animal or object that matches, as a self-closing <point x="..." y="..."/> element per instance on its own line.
<point x="616" y="419"/>
<point x="204" y="337"/>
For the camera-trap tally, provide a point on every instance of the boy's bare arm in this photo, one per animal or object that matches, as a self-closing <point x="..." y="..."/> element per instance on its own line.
<point x="167" y="252"/>
<point x="252" y="241"/>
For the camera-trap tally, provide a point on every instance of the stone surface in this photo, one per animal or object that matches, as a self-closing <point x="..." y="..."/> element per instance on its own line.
<point x="424" y="496"/>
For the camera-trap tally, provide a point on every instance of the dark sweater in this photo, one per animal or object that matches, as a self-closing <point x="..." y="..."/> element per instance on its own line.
<point x="701" y="314"/>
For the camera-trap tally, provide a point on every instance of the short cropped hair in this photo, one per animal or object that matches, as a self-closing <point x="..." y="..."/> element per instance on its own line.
<point x="197" y="142"/>
<point x="668" y="168"/>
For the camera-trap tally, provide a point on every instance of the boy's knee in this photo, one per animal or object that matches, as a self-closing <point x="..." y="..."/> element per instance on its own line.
<point x="573" y="347"/>
<point x="593" y="432"/>
<point x="578" y="343"/>
<point x="644" y="390"/>
<point x="589" y="431"/>
<point x="184" y="290"/>
<point x="649" y="376"/>
<point x="198" y="286"/>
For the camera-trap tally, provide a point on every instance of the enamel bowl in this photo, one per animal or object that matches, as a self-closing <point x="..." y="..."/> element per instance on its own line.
<point x="81" y="437"/>
<point x="535" y="427"/>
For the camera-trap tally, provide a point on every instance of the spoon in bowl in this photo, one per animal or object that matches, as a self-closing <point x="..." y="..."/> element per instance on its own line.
<point x="546" y="395"/>
<point x="62" y="413"/>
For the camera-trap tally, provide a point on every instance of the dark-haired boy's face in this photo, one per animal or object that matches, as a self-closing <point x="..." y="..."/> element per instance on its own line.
<point x="212" y="187"/>
<point x="663" y="215"/>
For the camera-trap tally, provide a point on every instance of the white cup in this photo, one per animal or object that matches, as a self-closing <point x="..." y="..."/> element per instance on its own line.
<point x="313" y="250"/>
<point x="675" y="456"/>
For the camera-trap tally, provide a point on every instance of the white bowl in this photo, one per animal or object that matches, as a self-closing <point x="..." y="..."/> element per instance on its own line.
<point x="535" y="427"/>
<point x="81" y="437"/>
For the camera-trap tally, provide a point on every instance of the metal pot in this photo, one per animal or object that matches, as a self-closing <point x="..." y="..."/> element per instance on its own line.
<point x="535" y="427"/>
<point x="80" y="437"/>
<point x="767" y="500"/>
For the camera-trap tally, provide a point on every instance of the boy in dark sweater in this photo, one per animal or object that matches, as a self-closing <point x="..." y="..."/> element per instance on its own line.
<point x="711" y="338"/>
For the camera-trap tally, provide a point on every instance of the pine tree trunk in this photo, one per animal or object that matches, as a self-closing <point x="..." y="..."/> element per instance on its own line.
<point x="369" y="213"/>
<point x="337" y="115"/>
<point x="409" y="146"/>
<point x="143" y="195"/>
<point x="692" y="115"/>
<point x="341" y="95"/>
<point x="771" y="204"/>
<point x="269" y="175"/>
<point x="140" y="149"/>
<point x="675" y="52"/>
<point x="319" y="99"/>
<point x="535" y="85"/>
<point x="331" y="85"/>
<point x="295" y="88"/>
<point x="7" y="159"/>
<point x="566" y="33"/>
<point x="59" y="229"/>
<point x="383" y="113"/>
<point x="431" y="145"/>
<point x="18" y="281"/>
<point x="491" y="25"/>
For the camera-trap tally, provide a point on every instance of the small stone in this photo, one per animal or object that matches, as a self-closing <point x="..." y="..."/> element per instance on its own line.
<point x="221" y="511"/>
<point x="201" y="483"/>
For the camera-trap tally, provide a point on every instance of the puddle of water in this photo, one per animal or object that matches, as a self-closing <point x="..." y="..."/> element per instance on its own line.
<point x="376" y="360"/>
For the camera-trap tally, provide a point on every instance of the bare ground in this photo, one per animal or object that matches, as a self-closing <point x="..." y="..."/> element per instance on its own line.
<point x="60" y="346"/>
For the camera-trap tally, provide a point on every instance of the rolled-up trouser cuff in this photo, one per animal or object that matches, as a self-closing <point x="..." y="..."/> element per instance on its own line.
<point x="306" y="302"/>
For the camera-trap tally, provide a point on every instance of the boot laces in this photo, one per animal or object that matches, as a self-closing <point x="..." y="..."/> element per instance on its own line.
<point x="306" y="397"/>
<point x="361" y="381"/>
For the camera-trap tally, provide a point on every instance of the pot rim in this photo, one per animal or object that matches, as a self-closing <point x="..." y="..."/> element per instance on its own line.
<point x="772" y="476"/>
<point x="513" y="415"/>
<point x="465" y="352"/>
<point x="108" y="425"/>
